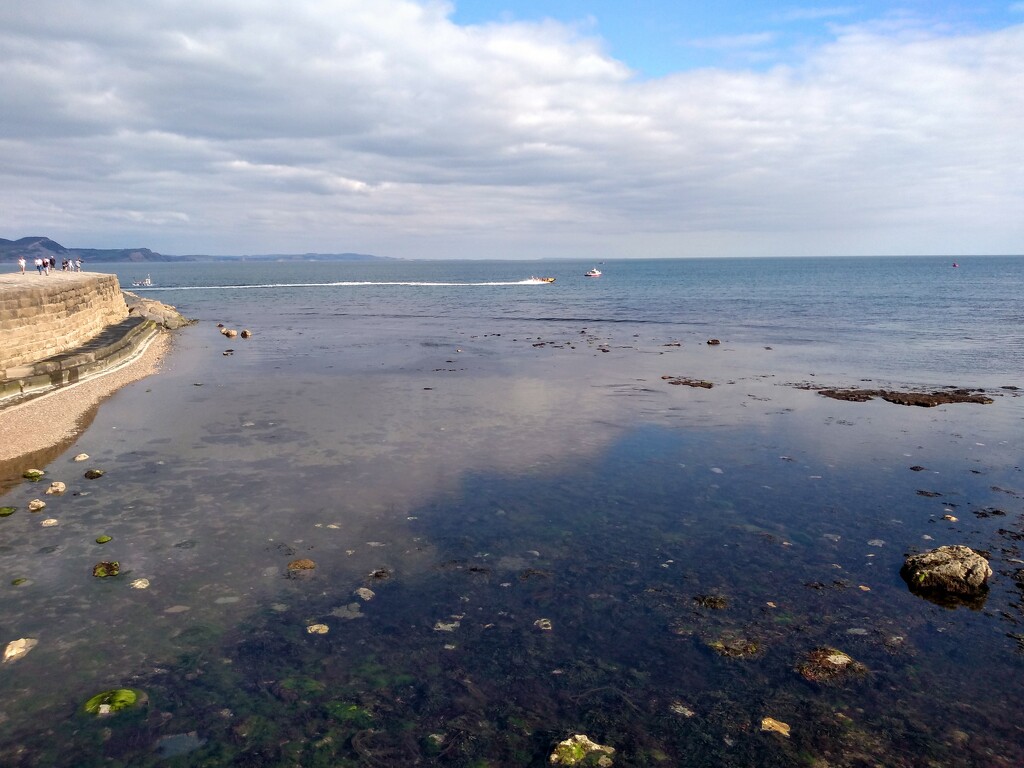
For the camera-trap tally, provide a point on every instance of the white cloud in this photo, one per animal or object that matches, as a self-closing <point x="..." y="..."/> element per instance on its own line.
<point x="384" y="127"/>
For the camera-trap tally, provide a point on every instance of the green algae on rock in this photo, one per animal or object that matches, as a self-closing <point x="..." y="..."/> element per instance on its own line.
<point x="33" y="475"/>
<point x="102" y="570"/>
<point x="7" y="511"/>
<point x="103" y="539"/>
<point x="580" y="750"/>
<point x="92" y="474"/>
<point x="108" y="702"/>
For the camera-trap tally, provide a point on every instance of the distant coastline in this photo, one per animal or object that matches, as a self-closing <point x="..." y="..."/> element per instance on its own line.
<point x="31" y="248"/>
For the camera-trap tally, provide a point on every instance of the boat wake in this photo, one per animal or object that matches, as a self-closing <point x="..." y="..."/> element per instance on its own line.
<point x="349" y="283"/>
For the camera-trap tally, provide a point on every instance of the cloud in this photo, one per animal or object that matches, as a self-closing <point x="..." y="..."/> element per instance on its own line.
<point x="384" y="127"/>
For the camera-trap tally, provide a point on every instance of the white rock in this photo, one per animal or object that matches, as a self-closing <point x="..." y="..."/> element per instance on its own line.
<point x="140" y="584"/>
<point x="56" y="488"/>
<point x="81" y="457"/>
<point x="50" y="522"/>
<point x="18" y="648"/>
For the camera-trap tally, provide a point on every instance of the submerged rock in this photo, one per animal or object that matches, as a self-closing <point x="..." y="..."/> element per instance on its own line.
<point x="92" y="474"/>
<point x="18" y="648"/>
<point x="955" y="571"/>
<point x="81" y="457"/>
<point x="7" y="511"/>
<point x="580" y="750"/>
<point x="102" y="570"/>
<point x="36" y="504"/>
<point x="33" y="475"/>
<point x="830" y="666"/>
<point x="303" y="564"/>
<point x="56" y="488"/>
<point x="776" y="726"/>
<point x="108" y="702"/>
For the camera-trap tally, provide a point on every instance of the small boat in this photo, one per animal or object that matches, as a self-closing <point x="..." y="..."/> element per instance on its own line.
<point x="536" y="279"/>
<point x="955" y="264"/>
<point x="595" y="272"/>
<point x="146" y="282"/>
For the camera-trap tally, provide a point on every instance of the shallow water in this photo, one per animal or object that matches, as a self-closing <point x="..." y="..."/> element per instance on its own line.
<point x="483" y="471"/>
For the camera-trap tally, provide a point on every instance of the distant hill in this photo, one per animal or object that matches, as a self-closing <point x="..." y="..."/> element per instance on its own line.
<point x="298" y="257"/>
<point x="43" y="247"/>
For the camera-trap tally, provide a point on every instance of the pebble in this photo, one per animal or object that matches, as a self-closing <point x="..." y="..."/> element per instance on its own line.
<point x="775" y="726"/>
<point x="81" y="457"/>
<point x="50" y="522"/>
<point x="543" y="624"/>
<point x="140" y="584"/>
<point x="318" y="629"/>
<point x="18" y="648"/>
<point x="36" y="504"/>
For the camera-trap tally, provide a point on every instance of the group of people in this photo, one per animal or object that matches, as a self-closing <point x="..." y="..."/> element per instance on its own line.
<point x="43" y="266"/>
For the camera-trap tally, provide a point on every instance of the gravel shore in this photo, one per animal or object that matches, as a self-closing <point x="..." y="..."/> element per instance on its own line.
<point x="32" y="425"/>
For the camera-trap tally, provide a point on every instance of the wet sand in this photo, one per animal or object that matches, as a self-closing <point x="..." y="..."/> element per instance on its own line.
<point x="50" y="419"/>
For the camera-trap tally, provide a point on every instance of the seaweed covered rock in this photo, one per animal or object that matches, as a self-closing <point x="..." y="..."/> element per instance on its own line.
<point x="109" y="702"/>
<point x="830" y="666"/>
<point x="580" y="750"/>
<point x="105" y="569"/>
<point x="952" y="571"/>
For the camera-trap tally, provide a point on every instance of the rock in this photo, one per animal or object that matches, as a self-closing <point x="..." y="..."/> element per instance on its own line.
<point x="246" y="334"/>
<point x="93" y="474"/>
<point x="923" y="399"/>
<point x="36" y="505"/>
<point x="49" y="522"/>
<point x="81" y="457"/>
<point x="683" y="381"/>
<point x="140" y="584"/>
<point x="108" y="702"/>
<point x="949" y="570"/>
<point x="713" y="342"/>
<point x="776" y="726"/>
<point x="102" y="570"/>
<point x="7" y="511"/>
<point x="18" y="648"/>
<point x="56" y="488"/>
<point x="317" y="629"/>
<point x="578" y="748"/>
<point x="365" y="594"/>
<point x="158" y="312"/>
<point x="33" y="474"/>
<point x="543" y="625"/>
<point x="830" y="666"/>
<point x="103" y="539"/>
<point x="303" y="564"/>
<point x="231" y="333"/>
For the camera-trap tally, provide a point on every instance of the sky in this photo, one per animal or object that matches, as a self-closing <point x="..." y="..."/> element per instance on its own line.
<point x="516" y="128"/>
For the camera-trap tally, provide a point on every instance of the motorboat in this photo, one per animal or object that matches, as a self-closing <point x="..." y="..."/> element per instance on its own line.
<point x="595" y="272"/>
<point x="535" y="279"/>
<point x="146" y="282"/>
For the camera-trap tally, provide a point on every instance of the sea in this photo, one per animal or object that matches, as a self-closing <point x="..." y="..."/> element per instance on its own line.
<point x="444" y="513"/>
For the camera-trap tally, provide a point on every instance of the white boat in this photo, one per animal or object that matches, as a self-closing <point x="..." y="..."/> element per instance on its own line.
<point x="595" y="272"/>
<point x="146" y="282"/>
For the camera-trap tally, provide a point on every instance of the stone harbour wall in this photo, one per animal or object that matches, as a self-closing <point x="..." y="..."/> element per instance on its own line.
<point x="46" y="315"/>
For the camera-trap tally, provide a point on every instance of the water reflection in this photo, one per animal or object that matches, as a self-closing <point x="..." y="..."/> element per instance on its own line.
<point x="553" y="545"/>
